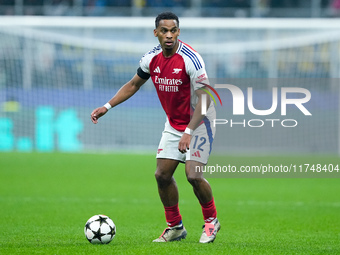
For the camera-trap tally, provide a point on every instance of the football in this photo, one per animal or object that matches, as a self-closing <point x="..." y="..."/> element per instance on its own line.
<point x="100" y="229"/>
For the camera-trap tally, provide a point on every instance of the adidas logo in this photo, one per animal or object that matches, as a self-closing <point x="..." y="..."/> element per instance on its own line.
<point x="196" y="154"/>
<point x="157" y="70"/>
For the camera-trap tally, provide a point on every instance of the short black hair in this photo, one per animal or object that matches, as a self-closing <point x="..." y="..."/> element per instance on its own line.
<point x="166" y="15"/>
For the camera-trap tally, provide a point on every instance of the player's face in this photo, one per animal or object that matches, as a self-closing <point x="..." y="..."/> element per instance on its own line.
<point x="167" y="33"/>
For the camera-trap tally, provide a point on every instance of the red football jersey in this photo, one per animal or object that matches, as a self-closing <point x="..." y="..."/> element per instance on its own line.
<point x="175" y="79"/>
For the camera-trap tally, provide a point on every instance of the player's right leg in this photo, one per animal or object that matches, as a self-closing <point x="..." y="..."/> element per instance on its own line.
<point x="168" y="192"/>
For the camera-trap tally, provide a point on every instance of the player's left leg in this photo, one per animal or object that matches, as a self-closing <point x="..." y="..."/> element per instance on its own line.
<point x="203" y="192"/>
<point x="201" y="186"/>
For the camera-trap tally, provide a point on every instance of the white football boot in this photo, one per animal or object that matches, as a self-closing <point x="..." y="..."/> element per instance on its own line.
<point x="210" y="231"/>
<point x="170" y="234"/>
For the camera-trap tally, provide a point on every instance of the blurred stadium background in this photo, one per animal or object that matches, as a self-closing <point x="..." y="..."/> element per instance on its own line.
<point x="54" y="70"/>
<point x="192" y="8"/>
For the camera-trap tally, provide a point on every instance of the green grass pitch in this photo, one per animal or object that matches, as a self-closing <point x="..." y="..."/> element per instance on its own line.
<point x="46" y="199"/>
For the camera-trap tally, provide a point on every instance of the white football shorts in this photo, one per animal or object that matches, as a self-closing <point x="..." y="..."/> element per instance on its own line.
<point x="200" y="145"/>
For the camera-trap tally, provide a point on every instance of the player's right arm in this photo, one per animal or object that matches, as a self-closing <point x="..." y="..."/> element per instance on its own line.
<point x="124" y="93"/>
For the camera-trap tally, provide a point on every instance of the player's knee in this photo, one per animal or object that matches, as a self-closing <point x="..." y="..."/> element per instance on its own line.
<point x="162" y="178"/>
<point x="195" y="181"/>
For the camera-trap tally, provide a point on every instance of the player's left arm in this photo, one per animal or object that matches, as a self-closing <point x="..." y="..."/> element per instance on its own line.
<point x="195" y="121"/>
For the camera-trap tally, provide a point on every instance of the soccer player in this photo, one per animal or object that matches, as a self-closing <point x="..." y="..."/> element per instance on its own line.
<point x="179" y="75"/>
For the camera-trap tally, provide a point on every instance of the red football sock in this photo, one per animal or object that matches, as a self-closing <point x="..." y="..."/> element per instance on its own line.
<point x="172" y="215"/>
<point x="209" y="211"/>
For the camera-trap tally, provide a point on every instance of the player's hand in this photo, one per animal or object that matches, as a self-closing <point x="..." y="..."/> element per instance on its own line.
<point x="184" y="143"/>
<point x="97" y="113"/>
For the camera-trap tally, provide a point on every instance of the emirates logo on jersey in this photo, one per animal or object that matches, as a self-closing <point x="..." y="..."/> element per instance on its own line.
<point x="166" y="81"/>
